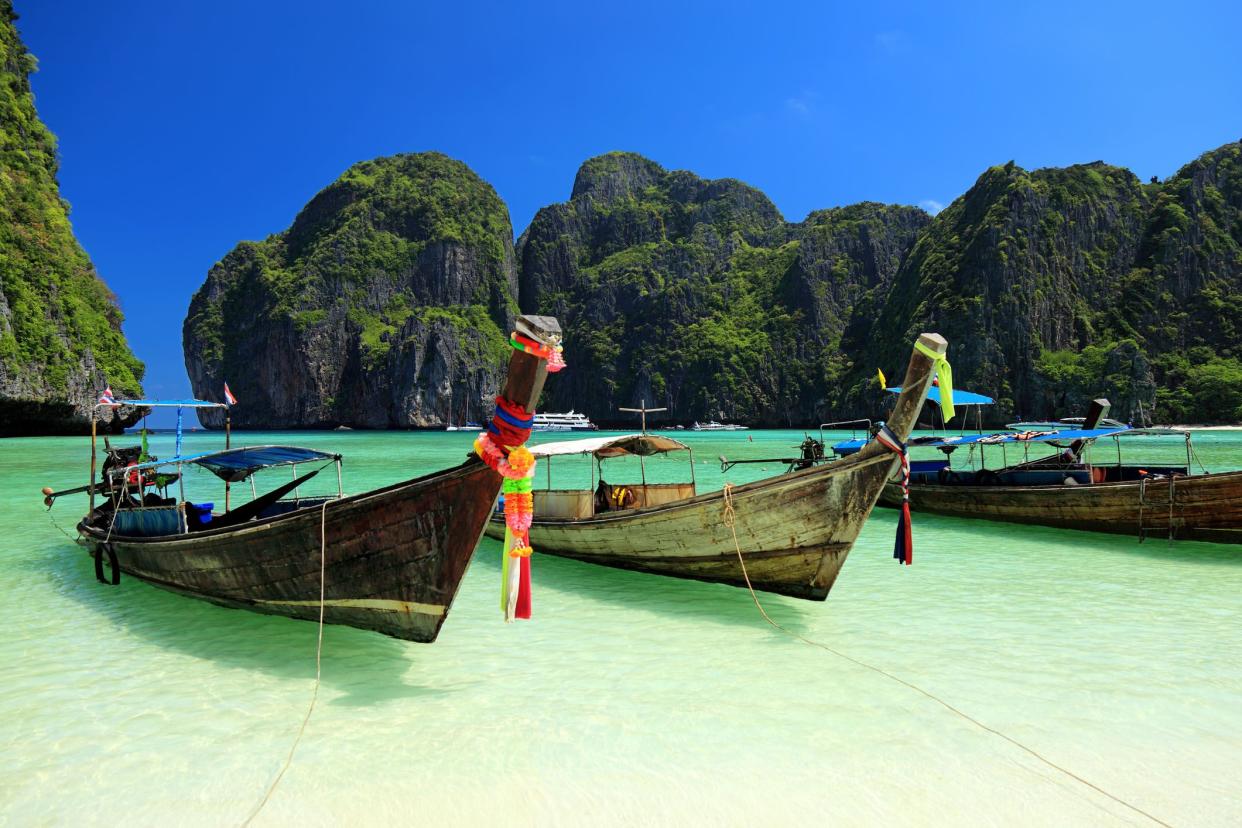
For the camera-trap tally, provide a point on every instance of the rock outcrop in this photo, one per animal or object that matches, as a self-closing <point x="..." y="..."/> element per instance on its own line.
<point x="1059" y="285"/>
<point x="60" y="327"/>
<point x="385" y="304"/>
<point x="697" y="295"/>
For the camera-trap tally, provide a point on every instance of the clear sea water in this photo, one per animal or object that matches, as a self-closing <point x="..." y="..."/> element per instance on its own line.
<point x="630" y="698"/>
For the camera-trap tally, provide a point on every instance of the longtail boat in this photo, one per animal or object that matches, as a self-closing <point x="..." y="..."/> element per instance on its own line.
<point x="793" y="531"/>
<point x="1080" y="485"/>
<point x="389" y="560"/>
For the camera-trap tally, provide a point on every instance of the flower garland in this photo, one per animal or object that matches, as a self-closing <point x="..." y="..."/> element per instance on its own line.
<point x="503" y="447"/>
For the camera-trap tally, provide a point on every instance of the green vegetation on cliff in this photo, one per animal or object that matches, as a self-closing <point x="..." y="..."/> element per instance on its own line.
<point x="392" y="284"/>
<point x="697" y="295"/>
<point x="1059" y="285"/>
<point x="60" y="327"/>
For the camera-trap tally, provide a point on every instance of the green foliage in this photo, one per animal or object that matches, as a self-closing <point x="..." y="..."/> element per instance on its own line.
<point x="393" y="238"/>
<point x="697" y="295"/>
<point x="1061" y="284"/>
<point x="60" y="315"/>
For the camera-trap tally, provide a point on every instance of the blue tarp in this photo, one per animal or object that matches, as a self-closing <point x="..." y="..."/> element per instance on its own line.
<point x="960" y="397"/>
<point x="150" y="522"/>
<point x="191" y="403"/>
<point x="239" y="463"/>
<point x="1068" y="435"/>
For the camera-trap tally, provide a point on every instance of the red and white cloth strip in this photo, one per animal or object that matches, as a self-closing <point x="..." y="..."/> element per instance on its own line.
<point x="903" y="547"/>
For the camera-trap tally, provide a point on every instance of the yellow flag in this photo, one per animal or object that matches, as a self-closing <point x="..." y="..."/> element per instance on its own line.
<point x="883" y="382"/>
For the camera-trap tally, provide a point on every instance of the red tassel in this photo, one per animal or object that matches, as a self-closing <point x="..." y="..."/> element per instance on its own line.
<point x="522" y="610"/>
<point x="909" y="533"/>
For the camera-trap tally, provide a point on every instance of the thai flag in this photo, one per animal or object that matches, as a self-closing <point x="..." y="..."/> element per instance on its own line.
<point x="106" y="397"/>
<point x="228" y="395"/>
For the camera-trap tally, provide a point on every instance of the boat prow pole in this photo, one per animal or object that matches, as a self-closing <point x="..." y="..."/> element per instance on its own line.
<point x="918" y="382"/>
<point x="929" y="350"/>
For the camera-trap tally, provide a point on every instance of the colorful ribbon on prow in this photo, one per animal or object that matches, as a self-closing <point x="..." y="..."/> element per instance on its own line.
<point x="903" y="548"/>
<point x="944" y="378"/>
<point x="503" y="447"/>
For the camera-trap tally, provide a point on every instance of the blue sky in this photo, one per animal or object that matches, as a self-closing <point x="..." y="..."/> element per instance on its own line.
<point x="185" y="128"/>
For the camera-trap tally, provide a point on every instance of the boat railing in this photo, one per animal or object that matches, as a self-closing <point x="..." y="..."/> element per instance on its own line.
<point x="853" y="425"/>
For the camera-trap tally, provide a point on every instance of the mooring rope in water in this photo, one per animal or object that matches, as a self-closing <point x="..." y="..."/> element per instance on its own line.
<point x="729" y="520"/>
<point x="323" y="556"/>
<point x="59" y="528"/>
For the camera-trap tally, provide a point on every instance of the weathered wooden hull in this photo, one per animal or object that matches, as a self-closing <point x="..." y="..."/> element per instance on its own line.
<point x="1198" y="507"/>
<point x="393" y="557"/>
<point x="388" y="560"/>
<point x="794" y="531"/>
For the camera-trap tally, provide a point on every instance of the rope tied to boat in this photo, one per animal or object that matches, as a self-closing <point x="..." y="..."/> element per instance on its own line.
<point x="729" y="519"/>
<point x="903" y="546"/>
<point x="323" y="570"/>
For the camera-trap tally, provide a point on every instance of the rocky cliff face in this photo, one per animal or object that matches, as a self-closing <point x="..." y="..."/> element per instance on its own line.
<point x="1060" y="285"/>
<point x="60" y="327"/>
<point x="386" y="304"/>
<point x="697" y="295"/>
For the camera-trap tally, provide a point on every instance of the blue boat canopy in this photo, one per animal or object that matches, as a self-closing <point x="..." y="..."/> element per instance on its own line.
<point x="239" y="463"/>
<point x="190" y="403"/>
<point x="1056" y="437"/>
<point x="960" y="397"/>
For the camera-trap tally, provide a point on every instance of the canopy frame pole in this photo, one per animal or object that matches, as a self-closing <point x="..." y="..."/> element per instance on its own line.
<point x="642" y="470"/>
<point x="340" y="489"/>
<point x="548" y="460"/>
<point x="91" y="487"/>
<point x="693" y="485"/>
<point x="228" y="419"/>
<point x="253" y="494"/>
<point x="293" y="467"/>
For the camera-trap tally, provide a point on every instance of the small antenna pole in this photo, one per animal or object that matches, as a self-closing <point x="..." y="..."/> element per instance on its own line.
<point x="643" y="410"/>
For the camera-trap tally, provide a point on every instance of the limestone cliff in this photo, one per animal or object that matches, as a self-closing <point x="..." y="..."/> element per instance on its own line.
<point x="60" y="327"/>
<point x="385" y="304"/>
<point x="697" y="295"/>
<point x="1059" y="285"/>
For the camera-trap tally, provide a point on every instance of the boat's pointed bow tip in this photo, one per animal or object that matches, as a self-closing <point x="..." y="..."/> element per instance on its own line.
<point x="935" y="342"/>
<point x="542" y="328"/>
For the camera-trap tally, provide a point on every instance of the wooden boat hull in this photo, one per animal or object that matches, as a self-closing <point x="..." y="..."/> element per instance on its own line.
<point x="394" y="557"/>
<point x="794" y="531"/>
<point x="1204" y="507"/>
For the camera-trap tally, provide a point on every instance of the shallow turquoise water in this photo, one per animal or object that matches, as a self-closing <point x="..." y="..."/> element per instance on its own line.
<point x="631" y="698"/>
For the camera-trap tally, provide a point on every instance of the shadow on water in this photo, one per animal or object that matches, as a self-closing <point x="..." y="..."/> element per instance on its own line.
<point x="681" y="598"/>
<point x="367" y="667"/>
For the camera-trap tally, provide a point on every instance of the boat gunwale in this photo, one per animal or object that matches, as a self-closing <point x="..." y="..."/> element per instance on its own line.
<point x="97" y="535"/>
<point x="800" y="477"/>
<point x="1061" y="487"/>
